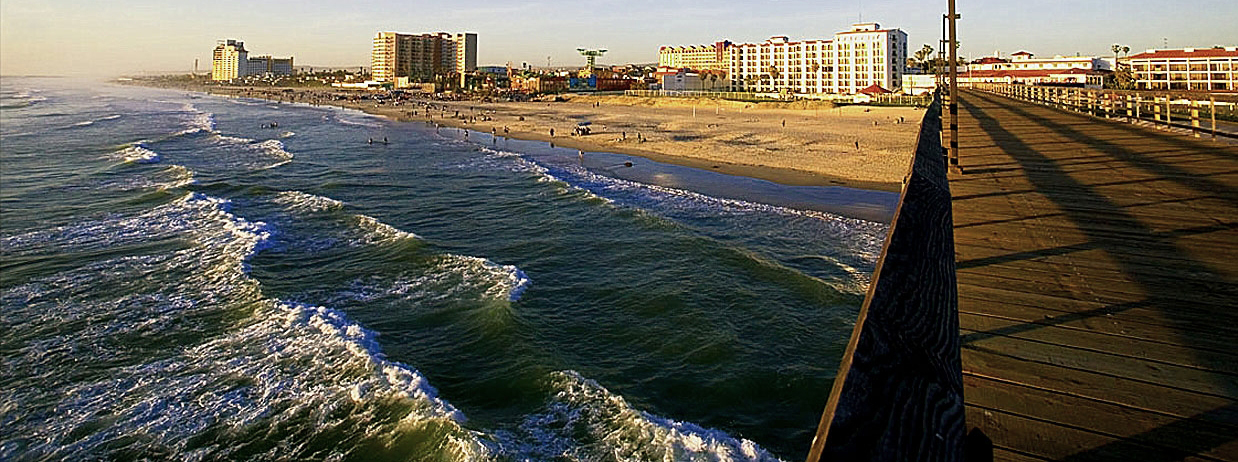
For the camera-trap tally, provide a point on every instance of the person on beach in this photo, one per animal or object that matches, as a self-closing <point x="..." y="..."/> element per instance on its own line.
<point x="552" y="132"/>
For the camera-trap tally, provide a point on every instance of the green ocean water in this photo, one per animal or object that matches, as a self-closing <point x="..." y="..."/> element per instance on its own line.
<point x="179" y="282"/>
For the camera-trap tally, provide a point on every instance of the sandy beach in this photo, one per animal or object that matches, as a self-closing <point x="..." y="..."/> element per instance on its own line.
<point x="805" y="143"/>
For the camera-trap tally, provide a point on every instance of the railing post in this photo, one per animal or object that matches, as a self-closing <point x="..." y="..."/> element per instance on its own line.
<point x="1127" y="102"/>
<point x="1212" y="110"/>
<point x="1157" y="106"/>
<point x="1195" y="117"/>
<point x="1138" y="105"/>
<point x="1169" y="111"/>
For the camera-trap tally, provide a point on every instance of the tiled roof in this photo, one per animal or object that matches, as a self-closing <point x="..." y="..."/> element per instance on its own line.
<point x="1197" y="53"/>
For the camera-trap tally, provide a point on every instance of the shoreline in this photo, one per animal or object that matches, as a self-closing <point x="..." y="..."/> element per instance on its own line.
<point x="671" y="127"/>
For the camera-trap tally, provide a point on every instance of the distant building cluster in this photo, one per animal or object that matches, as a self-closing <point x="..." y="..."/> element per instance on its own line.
<point x="422" y="57"/>
<point x="231" y="61"/>
<point x="1199" y="69"/>
<point x="1024" y="67"/>
<point x="853" y="60"/>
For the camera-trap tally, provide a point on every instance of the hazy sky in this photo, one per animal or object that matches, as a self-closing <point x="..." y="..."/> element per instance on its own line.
<point x="111" y="37"/>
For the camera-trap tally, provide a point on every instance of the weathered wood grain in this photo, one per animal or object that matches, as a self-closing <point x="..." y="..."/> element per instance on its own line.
<point x="898" y="395"/>
<point x="1098" y="280"/>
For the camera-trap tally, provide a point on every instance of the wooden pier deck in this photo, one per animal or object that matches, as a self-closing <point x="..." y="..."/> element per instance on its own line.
<point x="1098" y="286"/>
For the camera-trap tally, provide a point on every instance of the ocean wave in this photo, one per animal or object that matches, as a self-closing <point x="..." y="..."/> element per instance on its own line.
<point x="377" y="232"/>
<point x="585" y="421"/>
<point x="305" y="202"/>
<point x="287" y="365"/>
<point x="138" y="153"/>
<point x="165" y="221"/>
<point x="448" y="277"/>
<point x="287" y="134"/>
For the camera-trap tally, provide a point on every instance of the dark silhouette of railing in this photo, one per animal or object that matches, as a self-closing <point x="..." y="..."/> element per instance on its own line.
<point x="898" y="394"/>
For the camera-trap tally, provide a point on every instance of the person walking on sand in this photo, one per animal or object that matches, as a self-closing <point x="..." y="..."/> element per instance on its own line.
<point x="784" y="123"/>
<point x="552" y="132"/>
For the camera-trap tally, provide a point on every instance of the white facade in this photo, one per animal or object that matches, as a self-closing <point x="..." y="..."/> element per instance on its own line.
<point x="229" y="60"/>
<point x="1198" y="69"/>
<point x="853" y="60"/>
<point x="696" y="57"/>
<point x="1025" y="61"/>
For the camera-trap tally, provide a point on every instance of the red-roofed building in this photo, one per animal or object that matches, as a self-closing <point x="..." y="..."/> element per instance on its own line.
<point x="1199" y="69"/>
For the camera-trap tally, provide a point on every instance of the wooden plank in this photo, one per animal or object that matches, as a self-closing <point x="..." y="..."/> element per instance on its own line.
<point x="976" y="326"/>
<point x="1097" y="274"/>
<point x="1126" y="367"/>
<point x="1100" y="387"/>
<point x="1103" y="318"/>
<point x="1181" y="435"/>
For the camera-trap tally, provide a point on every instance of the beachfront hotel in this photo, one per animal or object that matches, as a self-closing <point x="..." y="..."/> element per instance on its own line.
<point x="1200" y="69"/>
<point x="696" y="57"/>
<point x="421" y="57"/>
<point x="851" y="61"/>
<point x="230" y="61"/>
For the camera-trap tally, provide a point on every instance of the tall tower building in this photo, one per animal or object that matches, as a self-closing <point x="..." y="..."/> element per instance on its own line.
<point x="229" y="60"/>
<point x="421" y="57"/>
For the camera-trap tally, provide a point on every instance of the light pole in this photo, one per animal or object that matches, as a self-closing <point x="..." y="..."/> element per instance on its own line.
<point x="954" y="89"/>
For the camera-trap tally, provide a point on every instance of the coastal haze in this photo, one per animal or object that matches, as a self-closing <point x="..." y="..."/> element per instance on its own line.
<point x="63" y="37"/>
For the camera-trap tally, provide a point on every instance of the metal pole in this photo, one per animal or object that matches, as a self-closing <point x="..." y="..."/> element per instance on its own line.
<point x="954" y="89"/>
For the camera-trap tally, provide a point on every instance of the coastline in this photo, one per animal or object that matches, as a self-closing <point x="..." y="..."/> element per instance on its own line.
<point x="794" y="147"/>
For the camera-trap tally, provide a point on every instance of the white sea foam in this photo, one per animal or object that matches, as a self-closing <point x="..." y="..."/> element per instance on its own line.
<point x="86" y="123"/>
<point x="180" y="216"/>
<point x="585" y="421"/>
<point x="376" y="231"/>
<point x="305" y="202"/>
<point x="287" y="364"/>
<point x="138" y="153"/>
<point x="287" y="134"/>
<point x="450" y="277"/>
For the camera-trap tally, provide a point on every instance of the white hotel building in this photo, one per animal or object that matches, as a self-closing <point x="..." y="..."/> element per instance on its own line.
<point x="1199" y="69"/>
<point x="853" y="60"/>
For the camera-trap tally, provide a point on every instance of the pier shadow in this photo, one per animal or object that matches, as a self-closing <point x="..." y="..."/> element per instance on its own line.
<point x="1133" y="251"/>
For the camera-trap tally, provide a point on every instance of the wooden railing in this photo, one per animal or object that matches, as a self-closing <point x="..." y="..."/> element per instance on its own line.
<point x="898" y="395"/>
<point x="1191" y="110"/>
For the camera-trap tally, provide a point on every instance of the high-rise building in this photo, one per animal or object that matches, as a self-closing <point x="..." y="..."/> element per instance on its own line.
<point x="1200" y="69"/>
<point x="229" y="60"/>
<point x="423" y="56"/>
<point x="853" y="60"/>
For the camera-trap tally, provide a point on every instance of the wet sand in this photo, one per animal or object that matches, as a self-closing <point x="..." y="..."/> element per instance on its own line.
<point x="808" y="144"/>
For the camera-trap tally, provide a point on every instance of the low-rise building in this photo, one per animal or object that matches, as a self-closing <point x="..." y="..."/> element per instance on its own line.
<point x="696" y="57"/>
<point x="1024" y="68"/>
<point x="1198" y="69"/>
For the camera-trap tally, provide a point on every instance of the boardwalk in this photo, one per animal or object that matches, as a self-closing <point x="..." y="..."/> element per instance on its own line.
<point x="1098" y="286"/>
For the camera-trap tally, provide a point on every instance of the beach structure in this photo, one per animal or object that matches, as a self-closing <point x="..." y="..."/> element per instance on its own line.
<point x="696" y="57"/>
<point x="422" y="57"/>
<point x="1024" y="67"/>
<point x="852" y="60"/>
<point x="266" y="65"/>
<point x="230" y="60"/>
<point x="1199" y="69"/>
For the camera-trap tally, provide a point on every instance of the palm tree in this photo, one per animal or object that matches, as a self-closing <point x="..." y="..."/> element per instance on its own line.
<point x="1116" y="48"/>
<point x="1126" y="50"/>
